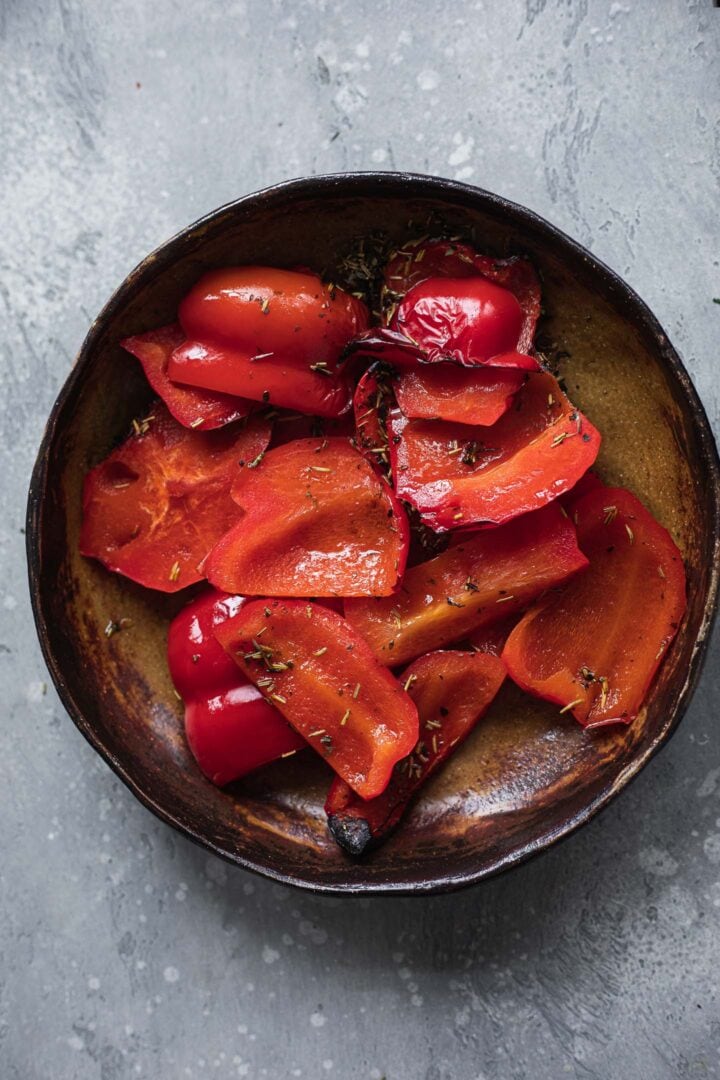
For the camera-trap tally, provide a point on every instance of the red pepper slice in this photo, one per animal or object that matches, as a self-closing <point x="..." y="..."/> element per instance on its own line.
<point x="419" y="260"/>
<point x="594" y="646"/>
<point x="269" y="335"/>
<point x="155" y="506"/>
<point x="465" y="320"/>
<point x="191" y="408"/>
<point x="452" y="691"/>
<point x="273" y="382"/>
<point x="230" y="726"/>
<point x="326" y="682"/>
<point x="486" y="577"/>
<point x="370" y="406"/>
<point x="458" y="476"/>
<point x="460" y="395"/>
<point x="318" y="521"/>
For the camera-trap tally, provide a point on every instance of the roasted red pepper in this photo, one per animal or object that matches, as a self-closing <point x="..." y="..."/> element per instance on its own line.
<point x="231" y="727"/>
<point x="461" y="395"/>
<point x="269" y="335"/>
<point x="484" y="578"/>
<point x="326" y="682"/>
<point x="198" y="409"/>
<point x="154" y="508"/>
<point x="594" y="646"/>
<point x="457" y="475"/>
<point x="317" y="521"/>
<point x="465" y="320"/>
<point x="452" y="691"/>
<point x="417" y="261"/>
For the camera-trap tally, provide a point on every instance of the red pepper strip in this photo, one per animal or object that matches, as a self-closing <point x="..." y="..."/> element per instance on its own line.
<point x="273" y="382"/>
<point x="466" y="320"/>
<point x="269" y="335"/>
<point x="489" y="576"/>
<point x="230" y="726"/>
<point x="289" y="426"/>
<point x="491" y="639"/>
<point x="326" y="682"/>
<point x="417" y="261"/>
<point x="594" y="646"/>
<point x="318" y="521"/>
<point x="588" y="482"/>
<point x="155" y="506"/>
<point x="370" y="405"/>
<point x="458" y="476"/>
<point x="452" y="691"/>
<point x="191" y="408"/>
<point x="460" y="395"/>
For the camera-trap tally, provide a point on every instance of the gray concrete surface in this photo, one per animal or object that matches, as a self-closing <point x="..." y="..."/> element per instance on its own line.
<point x="125" y="951"/>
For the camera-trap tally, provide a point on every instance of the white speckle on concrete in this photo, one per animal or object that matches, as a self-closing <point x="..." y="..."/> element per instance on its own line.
<point x="171" y="974"/>
<point x="270" y="955"/>
<point x="711" y="847"/>
<point x="428" y="79"/>
<point x="657" y="861"/>
<point x="317" y="1019"/>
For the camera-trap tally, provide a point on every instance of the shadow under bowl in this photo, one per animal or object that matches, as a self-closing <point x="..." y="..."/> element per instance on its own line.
<point x="527" y="776"/>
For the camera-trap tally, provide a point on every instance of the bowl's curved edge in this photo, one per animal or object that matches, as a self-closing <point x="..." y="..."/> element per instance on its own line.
<point x="429" y="187"/>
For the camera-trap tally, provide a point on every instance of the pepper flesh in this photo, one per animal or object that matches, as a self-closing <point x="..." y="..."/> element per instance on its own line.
<point x="154" y="508"/>
<point x="452" y="691"/>
<point x="484" y="578"/>
<point x="269" y="335"/>
<point x="317" y="521"/>
<point x="190" y="407"/>
<point x="457" y="475"/>
<point x="230" y="726"/>
<point x="461" y="395"/>
<point x="326" y="682"/>
<point x="594" y="647"/>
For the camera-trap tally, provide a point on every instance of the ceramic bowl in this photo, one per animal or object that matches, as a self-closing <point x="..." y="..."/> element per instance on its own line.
<point x="527" y="776"/>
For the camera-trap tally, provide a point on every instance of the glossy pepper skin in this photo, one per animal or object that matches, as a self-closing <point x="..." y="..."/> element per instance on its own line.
<point x="230" y="726"/>
<point x="417" y="261"/>
<point x="154" y="508"/>
<point x="594" y="646"/>
<point x="484" y="578"/>
<point x="469" y="321"/>
<point x="452" y="691"/>
<point x="457" y="475"/>
<point x="324" y="679"/>
<point x="274" y="336"/>
<point x="200" y="410"/>
<point x="317" y="521"/>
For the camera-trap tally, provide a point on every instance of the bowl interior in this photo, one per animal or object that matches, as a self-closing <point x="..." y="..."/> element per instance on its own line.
<point x="527" y="775"/>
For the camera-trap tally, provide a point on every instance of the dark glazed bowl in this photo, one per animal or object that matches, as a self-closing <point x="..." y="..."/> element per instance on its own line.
<point x="527" y="776"/>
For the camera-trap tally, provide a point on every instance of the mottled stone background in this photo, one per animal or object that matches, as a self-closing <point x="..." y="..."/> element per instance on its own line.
<point x="125" y="951"/>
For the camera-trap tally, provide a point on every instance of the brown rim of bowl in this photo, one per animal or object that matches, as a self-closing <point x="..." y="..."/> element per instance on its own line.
<point x="367" y="184"/>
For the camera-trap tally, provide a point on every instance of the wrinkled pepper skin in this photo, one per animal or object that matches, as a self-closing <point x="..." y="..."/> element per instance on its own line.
<point x="270" y="335"/>
<point x="317" y="521"/>
<point x="197" y="409"/>
<point x="324" y="679"/>
<point x="485" y="577"/>
<point x="459" y="395"/>
<point x="417" y="261"/>
<point x="230" y="726"/>
<point x="468" y="321"/>
<point x="452" y="691"/>
<point x="154" y="508"/>
<point x="594" y="646"/>
<point x="458" y="476"/>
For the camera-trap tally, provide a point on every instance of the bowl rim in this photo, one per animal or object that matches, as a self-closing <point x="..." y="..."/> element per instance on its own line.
<point x="424" y="186"/>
